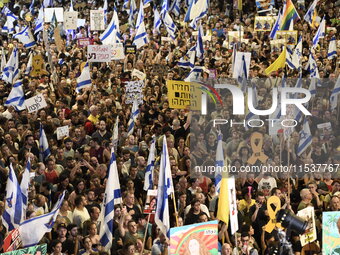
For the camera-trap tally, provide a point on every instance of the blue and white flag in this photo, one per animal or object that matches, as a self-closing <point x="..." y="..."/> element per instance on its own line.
<point x="33" y="230"/>
<point x="112" y="197"/>
<point x="47" y="3"/>
<point x="332" y="48"/>
<point x="312" y="86"/>
<point x="140" y="17"/>
<point x="13" y="213"/>
<point x="71" y="6"/>
<point x="24" y="185"/>
<point x="175" y="7"/>
<point x="133" y="117"/>
<point x="3" y="60"/>
<point x="199" y="44"/>
<point x="194" y="74"/>
<point x="242" y="76"/>
<point x="148" y="181"/>
<point x="219" y="163"/>
<point x="164" y="8"/>
<point x="111" y="34"/>
<point x="125" y="4"/>
<point x="8" y="27"/>
<point x="84" y="80"/>
<point x="132" y="12"/>
<point x="320" y="33"/>
<point x="43" y="145"/>
<point x="305" y="138"/>
<point x="141" y="37"/>
<point x="312" y="67"/>
<point x="169" y="25"/>
<point x="276" y="26"/>
<point x="26" y="37"/>
<point x="105" y="8"/>
<point x="39" y="21"/>
<point x="197" y="10"/>
<point x="157" y="22"/>
<point x="31" y="7"/>
<point x="188" y="61"/>
<point x="165" y="189"/>
<point x="335" y="94"/>
<point x="29" y="66"/>
<point x="294" y="55"/>
<point x="115" y="134"/>
<point x="16" y="97"/>
<point x="147" y="2"/>
<point x="11" y="69"/>
<point x="310" y="12"/>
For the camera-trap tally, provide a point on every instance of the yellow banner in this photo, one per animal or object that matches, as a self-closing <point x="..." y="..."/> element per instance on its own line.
<point x="182" y="94"/>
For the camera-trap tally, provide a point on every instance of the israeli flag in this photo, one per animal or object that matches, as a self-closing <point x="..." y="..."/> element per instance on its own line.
<point x="43" y="145"/>
<point x="133" y="117"/>
<point x="199" y="44"/>
<point x="169" y="25"/>
<point x="132" y="12"/>
<point x="165" y="8"/>
<point x="47" y="3"/>
<point x="16" y="97"/>
<point x="332" y="48"/>
<point x="33" y="230"/>
<point x="112" y="197"/>
<point x="165" y="189"/>
<point x="3" y="59"/>
<point x="111" y="33"/>
<point x="312" y="86"/>
<point x="13" y="213"/>
<point x="29" y="66"/>
<point x="189" y="62"/>
<point x="84" y="80"/>
<point x="39" y="22"/>
<point x="276" y="26"/>
<point x="175" y="7"/>
<point x="310" y="12"/>
<point x="125" y="4"/>
<point x="141" y="37"/>
<point x="335" y="94"/>
<point x="305" y="138"/>
<point x="8" y="27"/>
<point x="219" y="163"/>
<point x="115" y="134"/>
<point x="71" y="6"/>
<point x="26" y="37"/>
<point x="148" y="181"/>
<point x="294" y="55"/>
<point x="242" y="76"/>
<point x="157" y="22"/>
<point x="105" y="8"/>
<point x="197" y="10"/>
<point x="147" y="1"/>
<point x="24" y="185"/>
<point x="320" y="33"/>
<point x="140" y="17"/>
<point x="31" y="7"/>
<point x="11" y="69"/>
<point x="194" y="74"/>
<point x="312" y="67"/>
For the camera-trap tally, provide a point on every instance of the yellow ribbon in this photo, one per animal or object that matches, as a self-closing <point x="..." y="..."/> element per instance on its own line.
<point x="273" y="206"/>
<point x="257" y="149"/>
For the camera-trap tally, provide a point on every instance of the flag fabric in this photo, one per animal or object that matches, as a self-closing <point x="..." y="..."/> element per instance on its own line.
<point x="13" y="213"/>
<point x="43" y="145"/>
<point x="26" y="37"/>
<point x="197" y="10"/>
<point x="219" y="163"/>
<point x="132" y="12"/>
<point x="233" y="58"/>
<point x="71" y="6"/>
<point x="312" y="86"/>
<point x="115" y="134"/>
<point x="8" y="27"/>
<point x="111" y="33"/>
<point x="148" y="181"/>
<point x="164" y="8"/>
<point x="242" y="76"/>
<point x="157" y="22"/>
<point x="125" y="4"/>
<point x="24" y="185"/>
<point x="112" y="197"/>
<point x="232" y="204"/>
<point x="140" y="17"/>
<point x="312" y="67"/>
<point x="223" y="201"/>
<point x="276" y="26"/>
<point x="84" y="80"/>
<point x="332" y="48"/>
<point x="188" y="61"/>
<point x="105" y="8"/>
<point x="305" y="138"/>
<point x="199" y="44"/>
<point x="280" y="62"/>
<point x="310" y="12"/>
<point x="39" y="21"/>
<point x="194" y="74"/>
<point x="289" y="14"/>
<point x="175" y="7"/>
<point x="29" y="66"/>
<point x="32" y="230"/>
<point x="169" y="25"/>
<point x="141" y="37"/>
<point x="320" y="32"/>
<point x="147" y="1"/>
<point x="294" y="55"/>
<point x="335" y="94"/>
<point x="16" y="97"/>
<point x="133" y="117"/>
<point x="52" y="26"/>
<point x="165" y="188"/>
<point x="31" y="7"/>
<point x="3" y="60"/>
<point x="47" y="3"/>
<point x="11" y="69"/>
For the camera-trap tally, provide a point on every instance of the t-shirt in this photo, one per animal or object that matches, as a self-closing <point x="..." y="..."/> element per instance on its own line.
<point x="266" y="185"/>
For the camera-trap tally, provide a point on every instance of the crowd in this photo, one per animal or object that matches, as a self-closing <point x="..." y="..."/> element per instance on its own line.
<point x="78" y="164"/>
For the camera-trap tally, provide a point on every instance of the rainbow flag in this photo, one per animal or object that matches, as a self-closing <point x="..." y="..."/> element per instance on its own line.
<point x="289" y="14"/>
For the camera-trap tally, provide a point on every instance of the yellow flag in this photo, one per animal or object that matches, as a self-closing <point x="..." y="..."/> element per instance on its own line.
<point x="280" y="62"/>
<point x="223" y="201"/>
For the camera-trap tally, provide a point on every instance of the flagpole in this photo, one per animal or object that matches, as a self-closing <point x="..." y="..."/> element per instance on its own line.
<point x="146" y="231"/>
<point x="288" y="161"/>
<point x="175" y="208"/>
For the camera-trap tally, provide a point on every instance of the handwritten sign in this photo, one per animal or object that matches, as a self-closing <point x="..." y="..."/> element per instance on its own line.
<point x="83" y="42"/>
<point x="38" y="66"/>
<point x="62" y="132"/>
<point x="58" y="40"/>
<point x="70" y="20"/>
<point x="130" y="49"/>
<point x="118" y="51"/>
<point x="133" y="90"/>
<point x="97" y="20"/>
<point x="182" y="94"/>
<point x="136" y="73"/>
<point x="99" y="53"/>
<point x="308" y="215"/>
<point x="35" y="103"/>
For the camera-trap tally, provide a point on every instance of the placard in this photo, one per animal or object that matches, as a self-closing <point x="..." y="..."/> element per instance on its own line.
<point x="134" y="90"/>
<point x="200" y="238"/>
<point x="83" y="42"/>
<point x="70" y="20"/>
<point x="59" y="13"/>
<point x="238" y="63"/>
<point x="62" y="132"/>
<point x="151" y="202"/>
<point x="276" y="45"/>
<point x="264" y="23"/>
<point x="130" y="49"/>
<point x="38" y="66"/>
<point x="118" y="51"/>
<point x="330" y="233"/>
<point x="289" y="36"/>
<point x="12" y="241"/>
<point x="35" y="103"/>
<point x="99" y="53"/>
<point x="166" y="39"/>
<point x="97" y="20"/>
<point x="308" y="215"/>
<point x="34" y="250"/>
<point x="264" y="5"/>
<point x="182" y="94"/>
<point x="136" y="73"/>
<point x="325" y="129"/>
<point x="58" y="40"/>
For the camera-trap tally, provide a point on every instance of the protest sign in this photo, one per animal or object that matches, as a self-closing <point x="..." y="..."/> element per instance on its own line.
<point x="308" y="215"/>
<point x="276" y="45"/>
<point x="83" y="42"/>
<point x="182" y="94"/>
<point x="99" y="53"/>
<point x="330" y="233"/>
<point x="200" y="238"/>
<point x="97" y="20"/>
<point x="151" y="201"/>
<point x="166" y="39"/>
<point x="70" y="20"/>
<point x="232" y="204"/>
<point x="117" y="51"/>
<point x="34" y="250"/>
<point x="59" y="13"/>
<point x="35" y="103"/>
<point x="134" y="90"/>
<point x="264" y="23"/>
<point x="264" y="5"/>
<point x="289" y="36"/>
<point x="325" y="129"/>
<point x="62" y="132"/>
<point x="130" y="49"/>
<point x="12" y="241"/>
<point x="38" y="66"/>
<point x="58" y="40"/>
<point x="238" y="63"/>
<point x="136" y="73"/>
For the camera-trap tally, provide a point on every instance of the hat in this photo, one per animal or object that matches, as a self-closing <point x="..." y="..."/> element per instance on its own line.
<point x="62" y="225"/>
